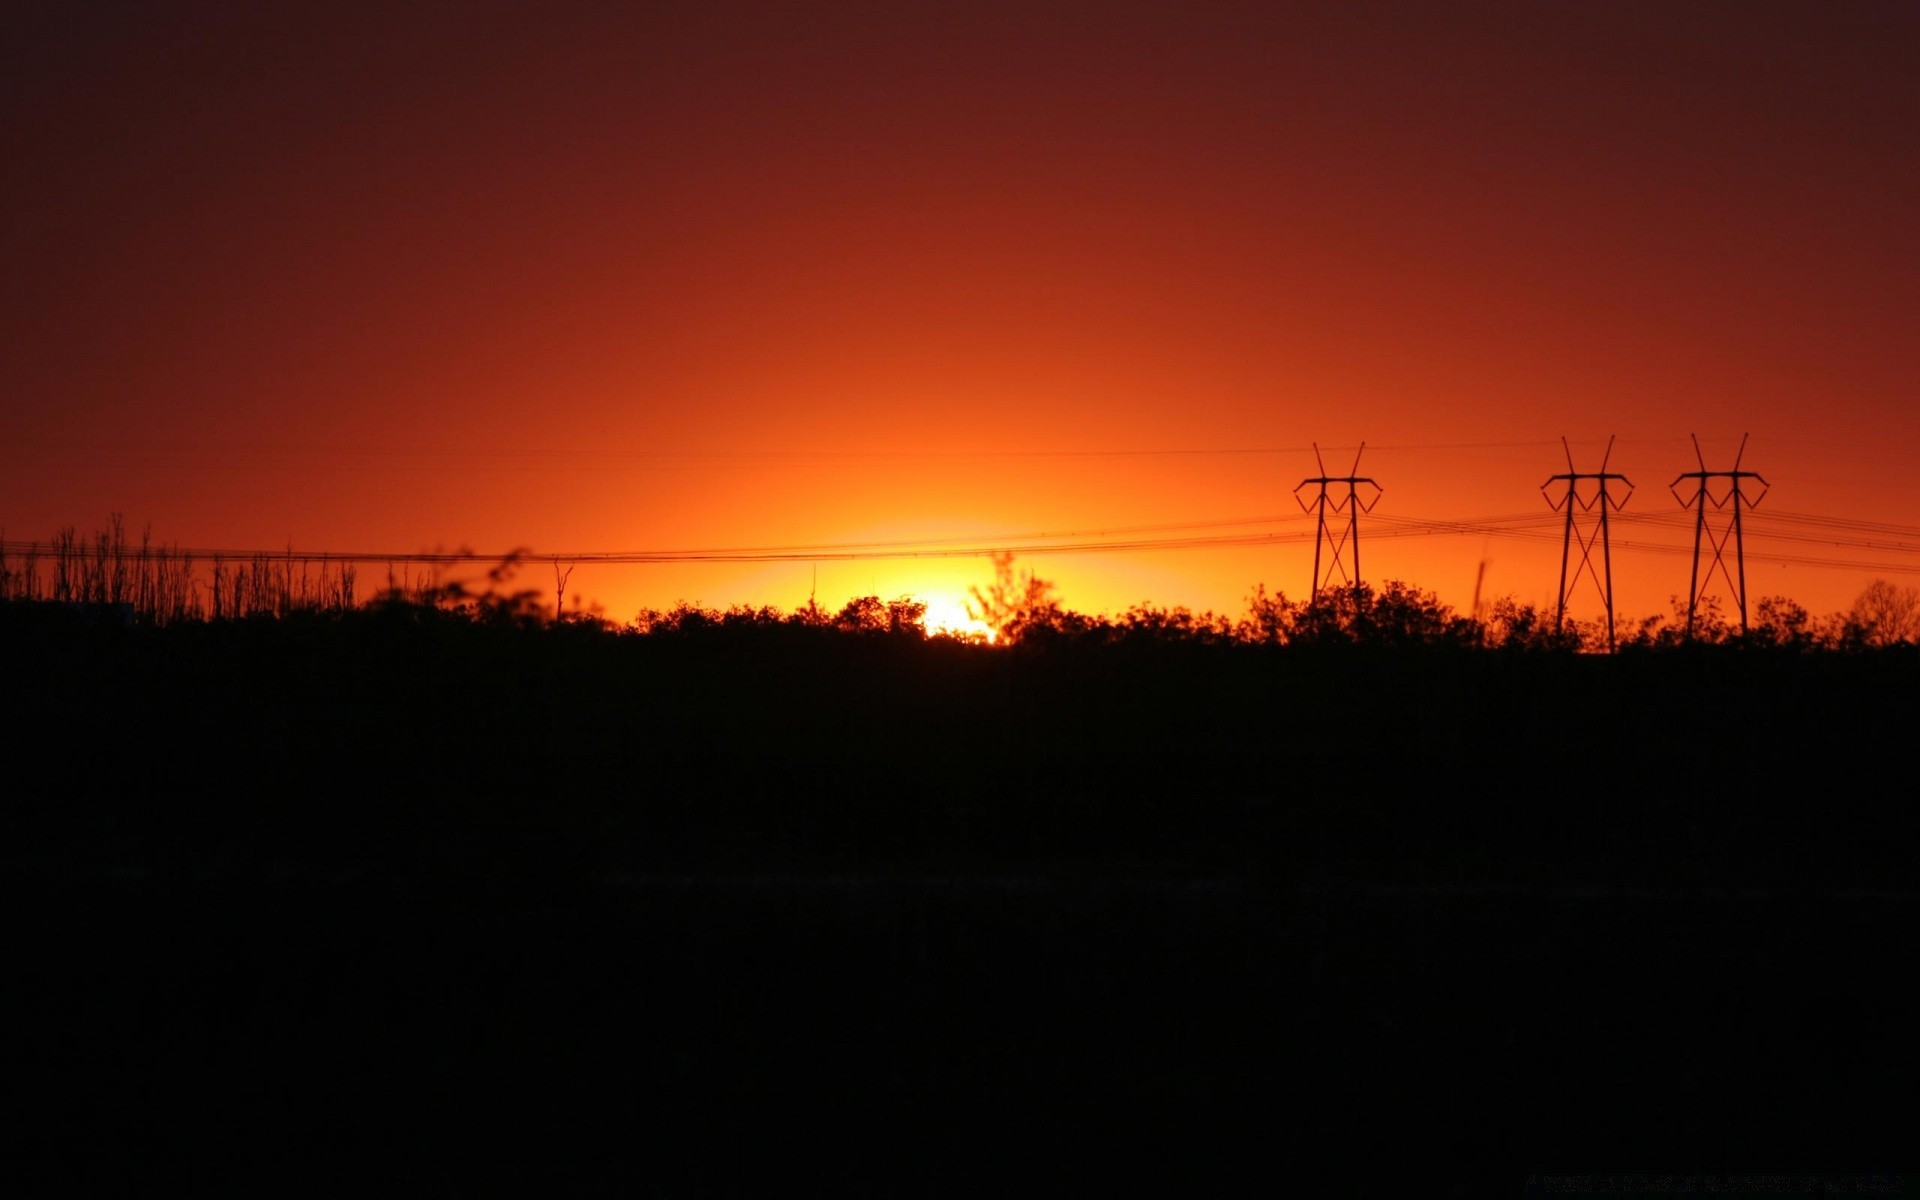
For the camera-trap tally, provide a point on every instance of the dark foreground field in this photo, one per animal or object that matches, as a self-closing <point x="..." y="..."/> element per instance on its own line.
<point x="386" y="906"/>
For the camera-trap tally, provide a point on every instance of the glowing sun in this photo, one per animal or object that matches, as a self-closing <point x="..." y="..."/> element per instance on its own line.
<point x="946" y="615"/>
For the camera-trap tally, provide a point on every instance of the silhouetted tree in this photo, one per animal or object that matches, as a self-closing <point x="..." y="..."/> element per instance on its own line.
<point x="1269" y="619"/>
<point x="1782" y="624"/>
<point x="811" y="614"/>
<point x="751" y="616"/>
<point x="1511" y="625"/>
<point x="1887" y="613"/>
<point x="1398" y="614"/>
<point x="908" y="616"/>
<point x="862" y="614"/>
<point x="682" y="618"/>
<point x="1016" y="603"/>
<point x="902" y="615"/>
<point x="1150" y="622"/>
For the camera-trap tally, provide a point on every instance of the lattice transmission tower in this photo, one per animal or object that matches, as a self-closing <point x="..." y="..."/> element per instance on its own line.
<point x="1730" y="502"/>
<point x="1343" y="545"/>
<point x="1598" y="501"/>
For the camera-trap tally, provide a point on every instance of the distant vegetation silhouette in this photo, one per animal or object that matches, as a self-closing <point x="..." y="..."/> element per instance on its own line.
<point x="111" y="576"/>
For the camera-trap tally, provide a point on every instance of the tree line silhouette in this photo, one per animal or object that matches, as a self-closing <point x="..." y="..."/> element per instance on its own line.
<point x="111" y="576"/>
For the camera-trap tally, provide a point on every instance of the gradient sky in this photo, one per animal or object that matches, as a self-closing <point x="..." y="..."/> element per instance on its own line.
<point x="580" y="277"/>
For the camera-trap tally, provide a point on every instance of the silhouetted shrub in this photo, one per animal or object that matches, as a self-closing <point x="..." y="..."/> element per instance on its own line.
<point x="1513" y="626"/>
<point x="1397" y="615"/>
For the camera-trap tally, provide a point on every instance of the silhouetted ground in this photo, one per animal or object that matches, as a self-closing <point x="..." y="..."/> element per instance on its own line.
<point x="414" y="907"/>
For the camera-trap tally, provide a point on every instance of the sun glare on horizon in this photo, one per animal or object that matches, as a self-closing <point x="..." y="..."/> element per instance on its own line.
<point x="946" y="615"/>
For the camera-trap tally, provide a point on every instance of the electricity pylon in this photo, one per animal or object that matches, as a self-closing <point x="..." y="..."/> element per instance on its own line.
<point x="1732" y="501"/>
<point x="1599" y="501"/>
<point x="1342" y="544"/>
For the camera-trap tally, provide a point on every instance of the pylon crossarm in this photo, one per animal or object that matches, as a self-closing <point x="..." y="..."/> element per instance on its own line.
<point x="1765" y="487"/>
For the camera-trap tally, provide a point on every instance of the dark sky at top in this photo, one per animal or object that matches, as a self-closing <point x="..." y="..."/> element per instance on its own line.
<point x="614" y="276"/>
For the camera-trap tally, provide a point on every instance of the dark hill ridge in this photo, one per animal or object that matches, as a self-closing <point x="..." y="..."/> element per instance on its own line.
<point x="415" y="904"/>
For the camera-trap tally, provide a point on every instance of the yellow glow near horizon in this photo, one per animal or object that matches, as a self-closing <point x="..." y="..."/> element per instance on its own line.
<point x="949" y="616"/>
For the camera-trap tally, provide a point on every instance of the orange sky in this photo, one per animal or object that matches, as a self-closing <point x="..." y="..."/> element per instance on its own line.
<point x="638" y="277"/>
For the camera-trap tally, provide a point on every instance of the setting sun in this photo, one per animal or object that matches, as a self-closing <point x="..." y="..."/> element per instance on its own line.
<point x="946" y="615"/>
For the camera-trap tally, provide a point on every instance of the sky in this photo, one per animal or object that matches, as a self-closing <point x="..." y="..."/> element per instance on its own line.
<point x="871" y="290"/>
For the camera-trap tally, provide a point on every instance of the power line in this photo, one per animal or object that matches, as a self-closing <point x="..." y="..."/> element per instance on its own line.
<point x="1763" y="528"/>
<point x="420" y="453"/>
